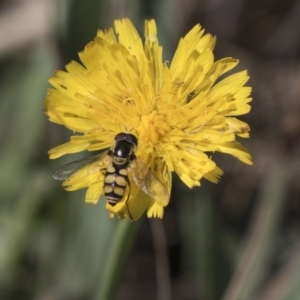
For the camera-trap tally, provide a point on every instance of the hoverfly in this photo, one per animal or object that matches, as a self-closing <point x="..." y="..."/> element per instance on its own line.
<point x="122" y="161"/>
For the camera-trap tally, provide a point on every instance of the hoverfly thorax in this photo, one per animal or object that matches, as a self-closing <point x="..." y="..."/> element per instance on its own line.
<point x="124" y="148"/>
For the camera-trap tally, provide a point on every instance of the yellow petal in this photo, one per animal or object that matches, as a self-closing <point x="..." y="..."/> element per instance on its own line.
<point x="94" y="192"/>
<point x="154" y="210"/>
<point x="214" y="175"/>
<point x="237" y="150"/>
<point x="67" y="148"/>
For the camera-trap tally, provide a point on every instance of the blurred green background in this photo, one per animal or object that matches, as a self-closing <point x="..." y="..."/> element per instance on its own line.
<point x="236" y="240"/>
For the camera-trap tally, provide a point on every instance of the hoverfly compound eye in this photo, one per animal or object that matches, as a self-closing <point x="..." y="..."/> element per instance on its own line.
<point x="133" y="139"/>
<point x="120" y="136"/>
<point x="128" y="137"/>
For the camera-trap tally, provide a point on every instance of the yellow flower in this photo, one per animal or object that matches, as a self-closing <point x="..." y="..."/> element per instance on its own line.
<point x="178" y="111"/>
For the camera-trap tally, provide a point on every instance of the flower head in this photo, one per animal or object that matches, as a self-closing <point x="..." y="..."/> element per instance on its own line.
<point x="178" y="111"/>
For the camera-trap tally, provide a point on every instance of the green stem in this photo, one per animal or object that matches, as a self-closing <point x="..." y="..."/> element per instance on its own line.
<point x="119" y="252"/>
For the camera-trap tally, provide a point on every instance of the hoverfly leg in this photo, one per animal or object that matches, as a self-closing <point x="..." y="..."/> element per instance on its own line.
<point x="128" y="196"/>
<point x="130" y="216"/>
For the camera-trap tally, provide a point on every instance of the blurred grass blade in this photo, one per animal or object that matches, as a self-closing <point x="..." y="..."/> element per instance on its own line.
<point x="200" y="240"/>
<point x="260" y="241"/>
<point x="84" y="19"/>
<point x="18" y="225"/>
<point x="162" y="267"/>
<point x="88" y="231"/>
<point x="117" y="257"/>
<point x="286" y="283"/>
<point x="292" y="282"/>
<point x="23" y="90"/>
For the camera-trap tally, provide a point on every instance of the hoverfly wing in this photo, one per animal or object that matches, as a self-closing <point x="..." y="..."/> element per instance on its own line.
<point x="67" y="170"/>
<point x="149" y="183"/>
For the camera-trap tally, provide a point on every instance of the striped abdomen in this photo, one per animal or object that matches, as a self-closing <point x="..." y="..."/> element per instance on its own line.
<point x="115" y="182"/>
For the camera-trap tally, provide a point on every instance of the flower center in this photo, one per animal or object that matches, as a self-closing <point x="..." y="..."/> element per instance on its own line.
<point x="153" y="127"/>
